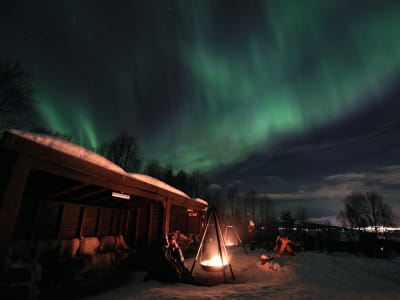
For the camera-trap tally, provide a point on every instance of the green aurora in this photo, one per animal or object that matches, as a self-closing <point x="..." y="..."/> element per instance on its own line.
<point x="277" y="69"/>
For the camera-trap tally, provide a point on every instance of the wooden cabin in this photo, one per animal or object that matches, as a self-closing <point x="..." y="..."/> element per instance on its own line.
<point x="51" y="189"/>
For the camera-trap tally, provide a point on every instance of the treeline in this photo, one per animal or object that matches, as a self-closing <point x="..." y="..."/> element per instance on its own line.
<point x="231" y="202"/>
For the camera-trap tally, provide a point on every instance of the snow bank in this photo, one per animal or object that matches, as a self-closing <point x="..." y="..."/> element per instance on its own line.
<point x="309" y="275"/>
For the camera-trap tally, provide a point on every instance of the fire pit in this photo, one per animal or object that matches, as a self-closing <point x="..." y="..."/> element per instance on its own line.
<point x="214" y="265"/>
<point x="230" y="244"/>
<point x="212" y="250"/>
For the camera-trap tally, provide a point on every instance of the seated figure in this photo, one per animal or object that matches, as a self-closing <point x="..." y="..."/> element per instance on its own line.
<point x="183" y="240"/>
<point x="171" y="265"/>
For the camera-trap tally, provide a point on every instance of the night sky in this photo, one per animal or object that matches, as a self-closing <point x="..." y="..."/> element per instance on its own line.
<point x="296" y="99"/>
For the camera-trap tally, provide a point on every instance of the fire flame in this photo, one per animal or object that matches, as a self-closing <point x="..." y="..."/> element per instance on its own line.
<point x="229" y="243"/>
<point x="215" y="261"/>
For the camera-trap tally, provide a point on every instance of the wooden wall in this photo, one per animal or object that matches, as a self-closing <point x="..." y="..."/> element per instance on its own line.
<point x="55" y="220"/>
<point x="185" y="221"/>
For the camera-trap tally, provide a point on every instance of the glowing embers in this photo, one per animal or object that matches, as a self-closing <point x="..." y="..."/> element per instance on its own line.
<point x="214" y="264"/>
<point x="212" y="250"/>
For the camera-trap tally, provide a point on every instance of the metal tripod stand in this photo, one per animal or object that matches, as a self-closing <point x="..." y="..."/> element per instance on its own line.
<point x="212" y="216"/>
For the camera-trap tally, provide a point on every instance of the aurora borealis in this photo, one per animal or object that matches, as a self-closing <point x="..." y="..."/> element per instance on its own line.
<point x="212" y="85"/>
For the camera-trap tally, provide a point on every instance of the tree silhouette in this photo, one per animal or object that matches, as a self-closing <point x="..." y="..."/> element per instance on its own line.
<point x="301" y="215"/>
<point x="365" y="209"/>
<point x="232" y="194"/>
<point x="287" y="219"/>
<point x="153" y="169"/>
<point x="16" y="96"/>
<point x="197" y="181"/>
<point x="123" y="151"/>
<point x="251" y="201"/>
<point x="266" y="210"/>
<point x="379" y="213"/>
<point x="182" y="181"/>
<point x="167" y="175"/>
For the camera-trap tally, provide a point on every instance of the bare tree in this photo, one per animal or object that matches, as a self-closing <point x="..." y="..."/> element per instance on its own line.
<point x="355" y="210"/>
<point x="16" y="96"/>
<point x="123" y="151"/>
<point x="379" y="213"/>
<point x="365" y="209"/>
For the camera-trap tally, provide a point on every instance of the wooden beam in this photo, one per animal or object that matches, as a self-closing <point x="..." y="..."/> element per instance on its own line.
<point x="69" y="190"/>
<point x="88" y="194"/>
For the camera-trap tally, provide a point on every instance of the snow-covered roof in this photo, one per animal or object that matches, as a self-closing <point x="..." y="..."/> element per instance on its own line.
<point x="94" y="158"/>
<point x="201" y="201"/>
<point x="69" y="148"/>
<point x="156" y="182"/>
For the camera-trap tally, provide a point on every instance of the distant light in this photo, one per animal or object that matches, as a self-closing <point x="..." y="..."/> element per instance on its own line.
<point x="121" y="195"/>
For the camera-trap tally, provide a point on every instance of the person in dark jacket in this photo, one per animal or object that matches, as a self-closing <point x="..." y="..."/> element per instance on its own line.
<point x="175" y="252"/>
<point x="171" y="265"/>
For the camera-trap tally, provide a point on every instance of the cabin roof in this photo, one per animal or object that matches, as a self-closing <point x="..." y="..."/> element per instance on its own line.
<point x="84" y="168"/>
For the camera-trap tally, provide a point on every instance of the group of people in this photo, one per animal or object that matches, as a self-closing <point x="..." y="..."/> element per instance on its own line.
<point x="169" y="264"/>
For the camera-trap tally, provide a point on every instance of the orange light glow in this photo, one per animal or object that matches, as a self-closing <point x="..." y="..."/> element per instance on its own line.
<point x="229" y="243"/>
<point x="215" y="262"/>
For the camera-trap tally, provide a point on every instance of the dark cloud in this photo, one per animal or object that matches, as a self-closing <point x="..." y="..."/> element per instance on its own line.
<point x="317" y="170"/>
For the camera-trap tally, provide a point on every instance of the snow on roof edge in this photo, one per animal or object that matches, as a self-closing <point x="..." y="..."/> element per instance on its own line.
<point x="157" y="182"/>
<point x="80" y="152"/>
<point x="69" y="148"/>
<point x="199" y="200"/>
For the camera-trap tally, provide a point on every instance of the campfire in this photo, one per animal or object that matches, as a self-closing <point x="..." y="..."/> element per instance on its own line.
<point x="212" y="250"/>
<point x="214" y="264"/>
<point x="230" y="244"/>
<point x="231" y="236"/>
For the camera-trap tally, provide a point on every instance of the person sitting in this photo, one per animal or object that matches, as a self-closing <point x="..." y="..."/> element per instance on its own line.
<point x="183" y="239"/>
<point x="171" y="265"/>
<point x="174" y="252"/>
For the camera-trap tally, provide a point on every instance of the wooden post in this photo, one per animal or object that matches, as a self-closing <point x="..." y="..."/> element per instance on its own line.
<point x="82" y="215"/>
<point x="11" y="202"/>
<point x="167" y="215"/>
<point x="137" y="225"/>
<point x="98" y="223"/>
<point x="149" y="223"/>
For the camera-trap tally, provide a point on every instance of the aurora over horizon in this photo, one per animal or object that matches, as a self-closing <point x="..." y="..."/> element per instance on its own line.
<point x="275" y="92"/>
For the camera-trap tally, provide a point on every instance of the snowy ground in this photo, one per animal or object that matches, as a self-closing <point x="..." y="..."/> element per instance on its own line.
<point x="308" y="275"/>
